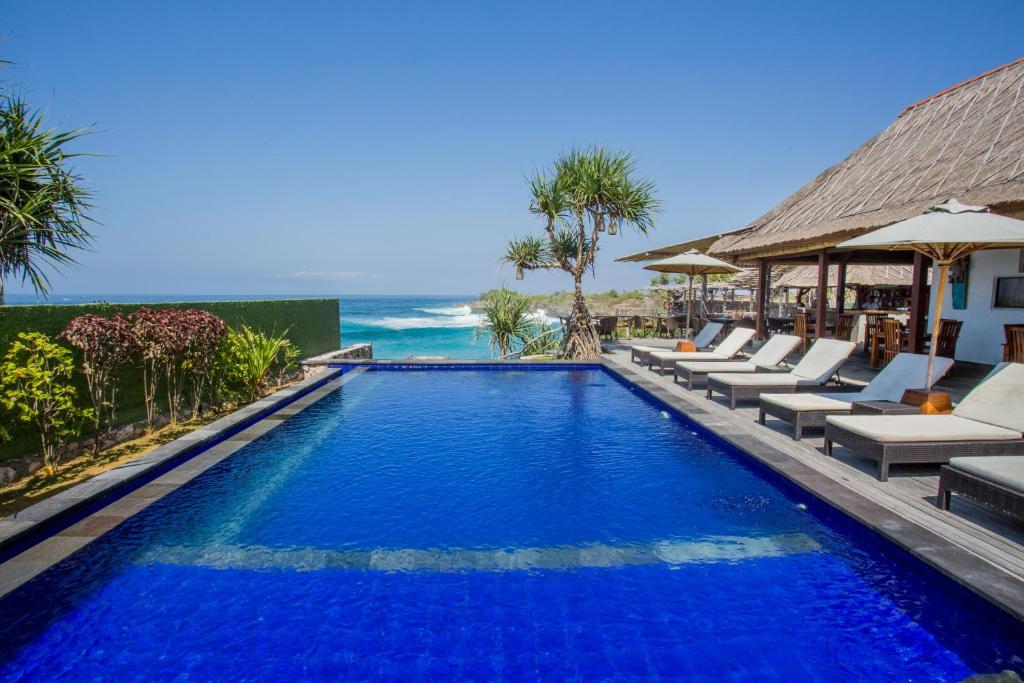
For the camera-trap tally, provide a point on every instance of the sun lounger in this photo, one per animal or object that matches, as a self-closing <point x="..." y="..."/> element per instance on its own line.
<point x="996" y="481"/>
<point x="820" y="362"/>
<point x="639" y="353"/>
<point x="768" y="358"/>
<point x="905" y="371"/>
<point x="988" y="421"/>
<point x="726" y="350"/>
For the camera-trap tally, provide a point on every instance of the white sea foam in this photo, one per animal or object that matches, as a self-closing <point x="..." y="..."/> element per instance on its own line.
<point x="451" y="310"/>
<point x="444" y="318"/>
<point x="449" y="321"/>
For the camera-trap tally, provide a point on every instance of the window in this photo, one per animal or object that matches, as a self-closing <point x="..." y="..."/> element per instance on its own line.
<point x="1009" y="292"/>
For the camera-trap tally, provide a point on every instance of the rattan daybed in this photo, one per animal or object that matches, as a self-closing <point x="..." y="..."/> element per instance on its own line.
<point x="767" y="359"/>
<point x="905" y="371"/>
<point x="988" y="421"/>
<point x="995" y="481"/>
<point x="818" y="365"/>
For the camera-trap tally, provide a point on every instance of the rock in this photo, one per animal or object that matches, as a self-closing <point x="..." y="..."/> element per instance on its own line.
<point x="8" y="475"/>
<point x="1005" y="676"/>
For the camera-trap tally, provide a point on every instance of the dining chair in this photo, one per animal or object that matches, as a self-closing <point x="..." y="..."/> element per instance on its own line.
<point x="800" y="330"/>
<point x="872" y="329"/>
<point x="892" y="334"/>
<point x="949" y="332"/>
<point x="843" y="327"/>
<point x="1013" y="349"/>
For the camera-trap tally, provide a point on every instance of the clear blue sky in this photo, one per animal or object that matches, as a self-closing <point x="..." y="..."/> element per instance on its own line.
<point x="327" y="147"/>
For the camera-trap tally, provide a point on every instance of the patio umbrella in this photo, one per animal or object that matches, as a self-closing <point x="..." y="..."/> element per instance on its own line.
<point x="945" y="233"/>
<point x="691" y="263"/>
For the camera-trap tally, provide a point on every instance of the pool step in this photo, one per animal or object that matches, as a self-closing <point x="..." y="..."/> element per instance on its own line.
<point x="673" y="552"/>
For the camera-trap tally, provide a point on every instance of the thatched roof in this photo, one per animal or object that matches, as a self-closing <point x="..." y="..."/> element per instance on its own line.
<point x="966" y="142"/>
<point x="656" y="253"/>
<point x="805" y="277"/>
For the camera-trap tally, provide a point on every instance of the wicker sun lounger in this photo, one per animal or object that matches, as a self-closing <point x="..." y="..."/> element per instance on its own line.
<point x="817" y="366"/>
<point x="767" y="359"/>
<point x="639" y="353"/>
<point x="905" y="371"/>
<point x="727" y="349"/>
<point x="988" y="421"/>
<point x="996" y="481"/>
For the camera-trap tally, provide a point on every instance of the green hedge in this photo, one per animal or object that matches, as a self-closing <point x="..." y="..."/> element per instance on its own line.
<point x="313" y="325"/>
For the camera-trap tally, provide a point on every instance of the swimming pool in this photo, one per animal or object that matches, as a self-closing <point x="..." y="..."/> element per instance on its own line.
<point x="471" y="523"/>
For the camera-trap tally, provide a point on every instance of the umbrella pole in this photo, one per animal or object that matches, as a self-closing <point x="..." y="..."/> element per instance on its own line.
<point x="941" y="271"/>
<point x="689" y="306"/>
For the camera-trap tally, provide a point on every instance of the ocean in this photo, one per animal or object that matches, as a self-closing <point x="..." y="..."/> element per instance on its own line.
<point x="397" y="326"/>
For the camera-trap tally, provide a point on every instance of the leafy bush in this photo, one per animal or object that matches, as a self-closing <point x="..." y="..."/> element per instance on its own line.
<point x="106" y="345"/>
<point x="505" y="320"/>
<point x="203" y="333"/>
<point x="160" y="343"/>
<point x="248" y="360"/>
<point x="33" y="385"/>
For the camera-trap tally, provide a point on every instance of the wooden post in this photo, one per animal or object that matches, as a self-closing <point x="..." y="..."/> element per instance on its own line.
<point x="918" y="303"/>
<point x="821" y="302"/>
<point x="841" y="287"/>
<point x="762" y="299"/>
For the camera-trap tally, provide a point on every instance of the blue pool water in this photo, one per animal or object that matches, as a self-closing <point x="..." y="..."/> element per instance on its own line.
<point x="485" y="525"/>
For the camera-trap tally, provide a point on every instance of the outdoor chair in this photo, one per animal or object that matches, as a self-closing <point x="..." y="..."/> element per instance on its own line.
<point x="996" y="481"/>
<point x="726" y="350"/>
<point x="801" y="331"/>
<point x="767" y="359"/>
<point x="1013" y="349"/>
<point x="892" y="334"/>
<point x="872" y="327"/>
<point x="881" y="395"/>
<point x="607" y="326"/>
<point x="843" y="327"/>
<point x="988" y="421"/>
<point x="949" y="332"/>
<point x="639" y="353"/>
<point x="818" y="365"/>
<point x="675" y="324"/>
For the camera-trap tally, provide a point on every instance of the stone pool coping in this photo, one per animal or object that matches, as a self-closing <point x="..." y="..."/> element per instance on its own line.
<point x="112" y="499"/>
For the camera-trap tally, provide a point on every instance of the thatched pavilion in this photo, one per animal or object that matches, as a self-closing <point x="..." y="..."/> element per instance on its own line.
<point x="965" y="142"/>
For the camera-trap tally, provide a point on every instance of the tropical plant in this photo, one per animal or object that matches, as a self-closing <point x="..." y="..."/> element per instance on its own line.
<point x="160" y="344"/>
<point x="42" y="202"/>
<point x="203" y="333"/>
<point x="545" y="341"/>
<point x="106" y="345"/>
<point x="589" y="191"/>
<point x="505" y="319"/>
<point x="34" y="386"/>
<point x="249" y="358"/>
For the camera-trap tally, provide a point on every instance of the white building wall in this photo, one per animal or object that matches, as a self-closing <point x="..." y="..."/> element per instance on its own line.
<point x="981" y="337"/>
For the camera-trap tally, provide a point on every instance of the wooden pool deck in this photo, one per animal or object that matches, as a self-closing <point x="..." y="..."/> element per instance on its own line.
<point x="910" y="491"/>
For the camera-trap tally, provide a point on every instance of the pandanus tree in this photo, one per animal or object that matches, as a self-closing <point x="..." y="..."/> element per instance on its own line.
<point x="42" y="202"/>
<point x="586" y="193"/>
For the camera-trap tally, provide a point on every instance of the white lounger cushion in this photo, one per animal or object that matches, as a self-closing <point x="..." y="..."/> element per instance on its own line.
<point x="785" y="379"/>
<point x="730" y="366"/>
<point x="775" y="350"/>
<point x="688" y="355"/>
<point x="812" y="402"/>
<point x="998" y="400"/>
<point x="736" y="340"/>
<point x="924" y="428"/>
<point x="1005" y="470"/>
<point x="905" y="371"/>
<point x="707" y="335"/>
<point x="823" y="358"/>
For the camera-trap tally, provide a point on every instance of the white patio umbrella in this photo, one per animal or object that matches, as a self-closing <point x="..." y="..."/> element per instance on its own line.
<point x="945" y="233"/>
<point x="691" y="263"/>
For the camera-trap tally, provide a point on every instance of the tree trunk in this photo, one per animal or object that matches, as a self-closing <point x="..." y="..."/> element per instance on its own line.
<point x="581" y="341"/>
<point x="2" y="302"/>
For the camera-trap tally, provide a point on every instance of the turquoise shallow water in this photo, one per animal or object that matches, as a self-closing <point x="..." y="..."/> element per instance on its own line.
<point x="397" y="326"/>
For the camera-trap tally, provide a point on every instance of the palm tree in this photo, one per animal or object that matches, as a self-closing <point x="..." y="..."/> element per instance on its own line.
<point x="42" y="204"/>
<point x="588" y="192"/>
